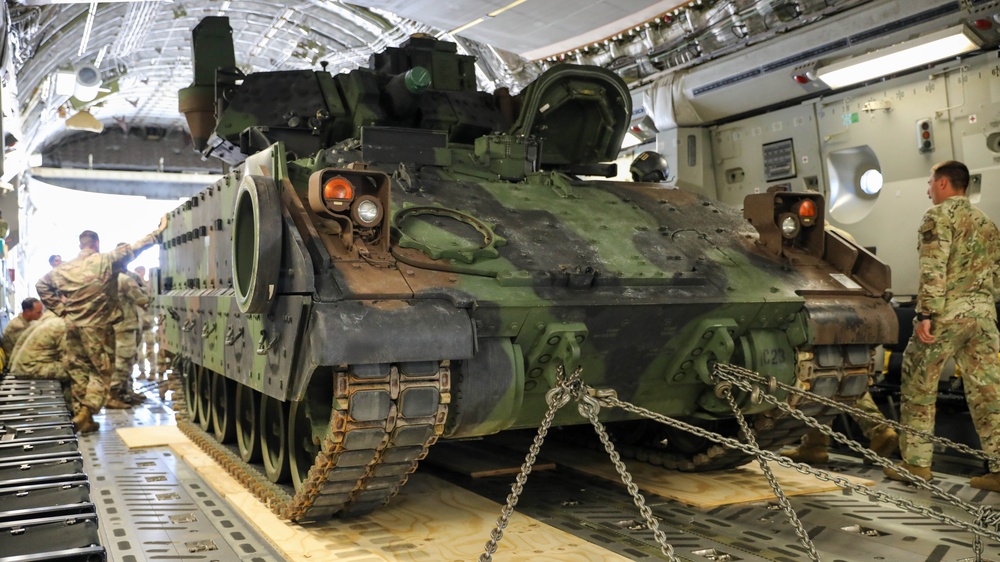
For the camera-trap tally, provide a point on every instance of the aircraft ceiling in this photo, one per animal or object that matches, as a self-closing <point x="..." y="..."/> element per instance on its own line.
<point x="142" y="52"/>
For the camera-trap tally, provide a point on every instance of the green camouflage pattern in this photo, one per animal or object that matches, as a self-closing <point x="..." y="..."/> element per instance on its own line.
<point x="84" y="292"/>
<point x="959" y="250"/>
<point x="90" y="362"/>
<point x="491" y="254"/>
<point x="85" y="289"/>
<point x="869" y="427"/>
<point x="15" y="328"/>
<point x="46" y="314"/>
<point x="973" y="342"/>
<point x="132" y="300"/>
<point x="959" y="255"/>
<point x="41" y="351"/>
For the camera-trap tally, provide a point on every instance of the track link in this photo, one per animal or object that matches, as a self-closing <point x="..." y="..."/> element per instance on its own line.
<point x="384" y="420"/>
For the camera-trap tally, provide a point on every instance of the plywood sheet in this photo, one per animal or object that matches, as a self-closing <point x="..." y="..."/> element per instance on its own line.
<point x="700" y="489"/>
<point x="429" y="519"/>
<point x="151" y="436"/>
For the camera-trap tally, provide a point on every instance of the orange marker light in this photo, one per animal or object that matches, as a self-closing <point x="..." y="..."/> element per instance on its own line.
<point x="807" y="209"/>
<point x="338" y="187"/>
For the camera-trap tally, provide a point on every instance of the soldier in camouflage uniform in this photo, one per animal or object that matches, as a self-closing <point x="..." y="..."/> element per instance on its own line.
<point x="27" y="333"/>
<point x="130" y="298"/>
<point x="84" y="292"/>
<point x="31" y="310"/>
<point x="956" y="317"/>
<point x="41" y="353"/>
<point x="147" y="343"/>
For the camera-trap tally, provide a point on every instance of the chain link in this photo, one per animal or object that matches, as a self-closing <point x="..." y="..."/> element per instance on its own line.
<point x="820" y="475"/>
<point x="556" y="398"/>
<point x="773" y="385"/>
<point x="786" y="506"/>
<point x="725" y="372"/>
<point x="588" y="403"/>
<point x="985" y="516"/>
<point x="589" y="406"/>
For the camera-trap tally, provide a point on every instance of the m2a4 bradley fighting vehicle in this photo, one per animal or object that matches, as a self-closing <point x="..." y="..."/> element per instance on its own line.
<point x="395" y="258"/>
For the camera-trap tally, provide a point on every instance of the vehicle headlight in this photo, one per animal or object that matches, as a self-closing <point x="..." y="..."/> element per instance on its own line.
<point x="789" y="225"/>
<point x="367" y="211"/>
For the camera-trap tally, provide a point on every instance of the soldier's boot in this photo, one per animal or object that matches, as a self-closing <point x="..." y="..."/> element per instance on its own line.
<point x="990" y="481"/>
<point x="83" y="421"/>
<point x="922" y="472"/>
<point x="116" y="403"/>
<point x="814" y="449"/>
<point x="884" y="442"/>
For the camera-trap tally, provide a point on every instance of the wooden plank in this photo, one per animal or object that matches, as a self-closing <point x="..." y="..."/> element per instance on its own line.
<point x="700" y="489"/>
<point x="194" y="456"/>
<point x="151" y="436"/>
<point x="445" y="522"/>
<point x="296" y="542"/>
<point x="220" y="480"/>
<point x="478" y="461"/>
<point x="429" y="519"/>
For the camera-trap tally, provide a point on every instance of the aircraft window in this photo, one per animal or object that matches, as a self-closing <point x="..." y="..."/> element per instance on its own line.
<point x="871" y="182"/>
<point x="855" y="183"/>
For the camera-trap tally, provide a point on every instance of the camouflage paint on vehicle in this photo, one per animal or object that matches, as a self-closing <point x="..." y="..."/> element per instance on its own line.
<point x="470" y="259"/>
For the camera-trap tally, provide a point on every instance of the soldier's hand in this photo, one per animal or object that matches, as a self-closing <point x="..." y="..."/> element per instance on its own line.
<point x="163" y="224"/>
<point x="924" y="332"/>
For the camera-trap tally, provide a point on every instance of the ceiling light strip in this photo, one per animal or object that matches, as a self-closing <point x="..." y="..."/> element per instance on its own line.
<point x="492" y="14"/>
<point x="86" y="29"/>
<point x="924" y="50"/>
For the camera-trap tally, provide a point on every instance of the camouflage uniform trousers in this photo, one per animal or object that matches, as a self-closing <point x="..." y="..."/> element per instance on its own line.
<point x="147" y="352"/>
<point x="55" y="371"/>
<point x="869" y="427"/>
<point x="90" y="363"/>
<point x="974" y="343"/>
<point x="126" y="345"/>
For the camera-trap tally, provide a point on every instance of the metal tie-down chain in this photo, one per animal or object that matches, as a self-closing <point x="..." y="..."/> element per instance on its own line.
<point x="987" y="519"/>
<point x="725" y="390"/>
<point x="735" y="373"/>
<point x="589" y="403"/>
<point x="742" y="378"/>
<point x="821" y="475"/>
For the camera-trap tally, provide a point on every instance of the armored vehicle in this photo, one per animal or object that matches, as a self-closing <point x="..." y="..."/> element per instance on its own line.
<point x="395" y="258"/>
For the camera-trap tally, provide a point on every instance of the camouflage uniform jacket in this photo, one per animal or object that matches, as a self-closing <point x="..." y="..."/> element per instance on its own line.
<point x="131" y="298"/>
<point x="959" y="254"/>
<point x="11" y="333"/>
<point x="27" y="333"/>
<point x="145" y="312"/>
<point x="42" y="347"/>
<point x="84" y="290"/>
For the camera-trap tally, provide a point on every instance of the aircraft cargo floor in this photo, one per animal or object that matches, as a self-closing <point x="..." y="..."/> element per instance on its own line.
<point x="173" y="503"/>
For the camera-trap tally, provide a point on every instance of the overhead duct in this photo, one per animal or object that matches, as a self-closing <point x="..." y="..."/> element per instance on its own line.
<point x="781" y="71"/>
